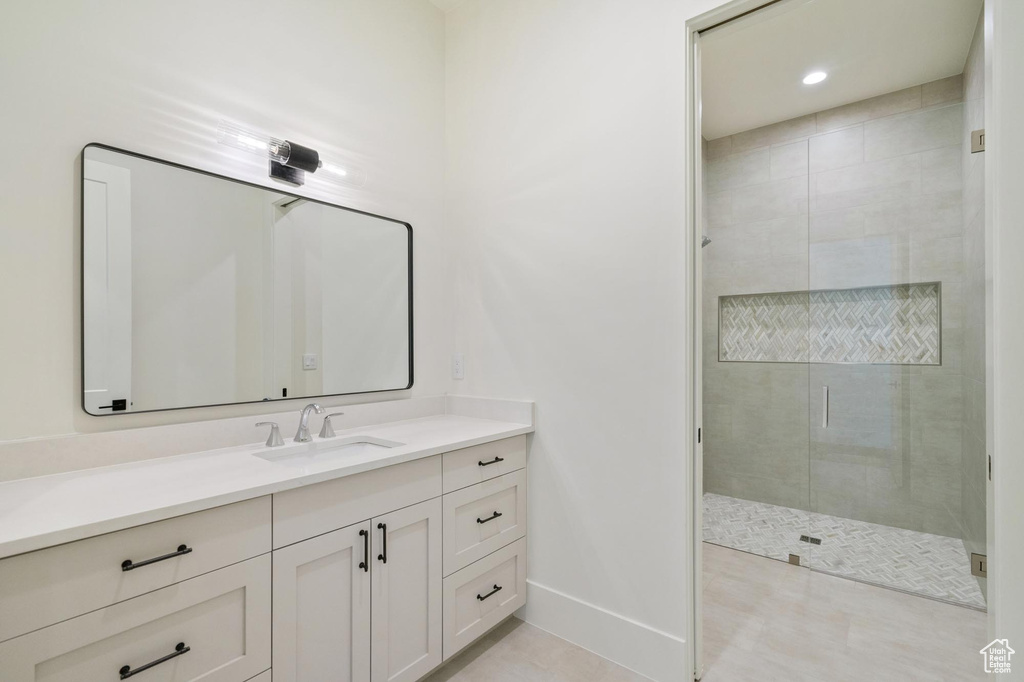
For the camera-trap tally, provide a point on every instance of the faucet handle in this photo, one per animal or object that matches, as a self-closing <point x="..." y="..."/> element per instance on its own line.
<point x="327" y="430"/>
<point x="275" y="439"/>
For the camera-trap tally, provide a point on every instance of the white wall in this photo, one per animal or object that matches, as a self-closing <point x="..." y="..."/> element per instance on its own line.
<point x="365" y="78"/>
<point x="565" y="211"/>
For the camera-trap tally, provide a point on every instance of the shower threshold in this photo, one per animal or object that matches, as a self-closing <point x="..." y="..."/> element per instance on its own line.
<point x="932" y="566"/>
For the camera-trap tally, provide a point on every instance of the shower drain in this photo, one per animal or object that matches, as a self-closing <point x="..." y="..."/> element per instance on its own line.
<point x="808" y="538"/>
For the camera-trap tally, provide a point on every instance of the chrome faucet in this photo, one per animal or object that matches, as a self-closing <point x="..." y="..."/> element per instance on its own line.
<point x="302" y="435"/>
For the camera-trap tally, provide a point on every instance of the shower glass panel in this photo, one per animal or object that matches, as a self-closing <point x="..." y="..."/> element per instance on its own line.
<point x="884" y="392"/>
<point x="755" y="369"/>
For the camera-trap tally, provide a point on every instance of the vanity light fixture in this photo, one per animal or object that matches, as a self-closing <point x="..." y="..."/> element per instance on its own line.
<point x="815" y="77"/>
<point x="289" y="161"/>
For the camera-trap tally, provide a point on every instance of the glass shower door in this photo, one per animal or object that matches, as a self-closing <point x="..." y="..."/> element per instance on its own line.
<point x="886" y="405"/>
<point x="755" y="371"/>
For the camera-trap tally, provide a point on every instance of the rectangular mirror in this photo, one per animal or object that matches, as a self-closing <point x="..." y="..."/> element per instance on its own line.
<point x="200" y="290"/>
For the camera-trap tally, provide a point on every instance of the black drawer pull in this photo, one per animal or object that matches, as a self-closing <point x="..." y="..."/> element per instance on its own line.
<point x="489" y="518"/>
<point x="126" y="671"/>
<point x="127" y="564"/>
<point x="365" y="563"/>
<point x="497" y="589"/>
<point x="493" y="461"/>
<point x="383" y="556"/>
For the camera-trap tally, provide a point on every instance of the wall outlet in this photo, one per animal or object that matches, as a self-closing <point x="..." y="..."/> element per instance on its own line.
<point x="458" y="366"/>
<point x="309" y="361"/>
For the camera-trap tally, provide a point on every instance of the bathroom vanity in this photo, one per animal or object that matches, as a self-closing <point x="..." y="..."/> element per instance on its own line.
<point x="370" y="553"/>
<point x="375" y="555"/>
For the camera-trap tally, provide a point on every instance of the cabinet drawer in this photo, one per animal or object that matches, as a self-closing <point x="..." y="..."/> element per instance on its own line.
<point x="473" y="602"/>
<point x="483" y="518"/>
<point x="323" y="507"/>
<point x="222" y="619"/>
<point x="262" y="677"/>
<point x="45" y="587"/>
<point x="483" y="462"/>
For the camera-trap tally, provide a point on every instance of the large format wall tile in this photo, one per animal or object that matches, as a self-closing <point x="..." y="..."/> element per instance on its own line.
<point x="789" y="160"/>
<point x="913" y="132"/>
<point x="739" y="170"/>
<point x="865" y="110"/>
<point x="837" y="150"/>
<point x="943" y="91"/>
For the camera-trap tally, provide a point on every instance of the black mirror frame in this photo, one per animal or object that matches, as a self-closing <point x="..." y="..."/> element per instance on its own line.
<point x="81" y="283"/>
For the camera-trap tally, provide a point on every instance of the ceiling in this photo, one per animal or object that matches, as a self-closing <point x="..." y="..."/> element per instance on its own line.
<point x="752" y="69"/>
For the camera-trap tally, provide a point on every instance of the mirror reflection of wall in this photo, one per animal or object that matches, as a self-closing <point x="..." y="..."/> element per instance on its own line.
<point x="202" y="291"/>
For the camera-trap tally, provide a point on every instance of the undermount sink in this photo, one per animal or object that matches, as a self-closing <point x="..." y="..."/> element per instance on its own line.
<point x="326" y="450"/>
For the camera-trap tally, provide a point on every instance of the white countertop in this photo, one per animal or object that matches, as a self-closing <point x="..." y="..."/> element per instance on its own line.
<point x="51" y="510"/>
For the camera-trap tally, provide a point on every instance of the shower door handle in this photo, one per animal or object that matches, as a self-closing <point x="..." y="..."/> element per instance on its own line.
<point x="824" y="407"/>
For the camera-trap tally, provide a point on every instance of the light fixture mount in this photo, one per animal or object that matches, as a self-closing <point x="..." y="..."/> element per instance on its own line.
<point x="289" y="161"/>
<point x="283" y="173"/>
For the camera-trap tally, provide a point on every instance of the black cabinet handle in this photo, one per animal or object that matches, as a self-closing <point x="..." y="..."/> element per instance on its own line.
<point x="489" y="518"/>
<point x="493" y="461"/>
<point x="497" y="589"/>
<point x="128" y="565"/>
<point x="383" y="556"/>
<point x="365" y="563"/>
<point x="179" y="650"/>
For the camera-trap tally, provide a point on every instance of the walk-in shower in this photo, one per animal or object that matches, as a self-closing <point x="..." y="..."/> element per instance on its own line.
<point x="843" y="339"/>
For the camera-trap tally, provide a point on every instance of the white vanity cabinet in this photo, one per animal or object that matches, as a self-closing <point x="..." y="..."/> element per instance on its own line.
<point x="377" y="576"/>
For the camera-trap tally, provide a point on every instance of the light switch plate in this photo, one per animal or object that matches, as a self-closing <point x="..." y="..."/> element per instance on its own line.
<point x="458" y="366"/>
<point x="309" y="361"/>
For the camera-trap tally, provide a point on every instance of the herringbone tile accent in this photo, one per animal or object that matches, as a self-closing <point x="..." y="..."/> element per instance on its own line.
<point x="880" y="325"/>
<point x="930" y="565"/>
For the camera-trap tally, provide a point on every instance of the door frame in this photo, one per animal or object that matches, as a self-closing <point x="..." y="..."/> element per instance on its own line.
<point x="694" y="321"/>
<point x="1002" y="509"/>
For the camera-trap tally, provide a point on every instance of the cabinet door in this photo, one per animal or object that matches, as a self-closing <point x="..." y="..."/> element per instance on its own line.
<point x="406" y="593"/>
<point x="322" y="608"/>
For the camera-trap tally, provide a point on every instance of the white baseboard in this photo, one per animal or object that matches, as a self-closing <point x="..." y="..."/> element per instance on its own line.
<point x="643" y="649"/>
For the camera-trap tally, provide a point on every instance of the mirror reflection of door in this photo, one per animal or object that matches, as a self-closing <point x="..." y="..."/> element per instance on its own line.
<point x="107" y="286"/>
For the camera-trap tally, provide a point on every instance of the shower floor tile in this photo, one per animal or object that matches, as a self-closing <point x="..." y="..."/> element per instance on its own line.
<point x="921" y="563"/>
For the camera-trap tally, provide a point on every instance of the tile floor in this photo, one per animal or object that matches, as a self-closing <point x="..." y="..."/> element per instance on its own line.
<point x="519" y="652"/>
<point x="767" y="621"/>
<point x="930" y="565"/>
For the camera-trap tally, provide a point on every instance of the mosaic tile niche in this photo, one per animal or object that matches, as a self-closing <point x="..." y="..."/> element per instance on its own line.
<point x="893" y="325"/>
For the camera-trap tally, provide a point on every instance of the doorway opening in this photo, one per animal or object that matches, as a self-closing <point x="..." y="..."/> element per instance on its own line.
<point x="840" y="257"/>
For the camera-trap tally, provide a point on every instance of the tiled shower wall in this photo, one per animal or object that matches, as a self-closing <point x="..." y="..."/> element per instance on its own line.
<point x="867" y="194"/>
<point x="975" y="464"/>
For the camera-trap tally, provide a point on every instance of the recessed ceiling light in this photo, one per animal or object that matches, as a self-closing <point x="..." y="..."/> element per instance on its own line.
<point x="815" y="77"/>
